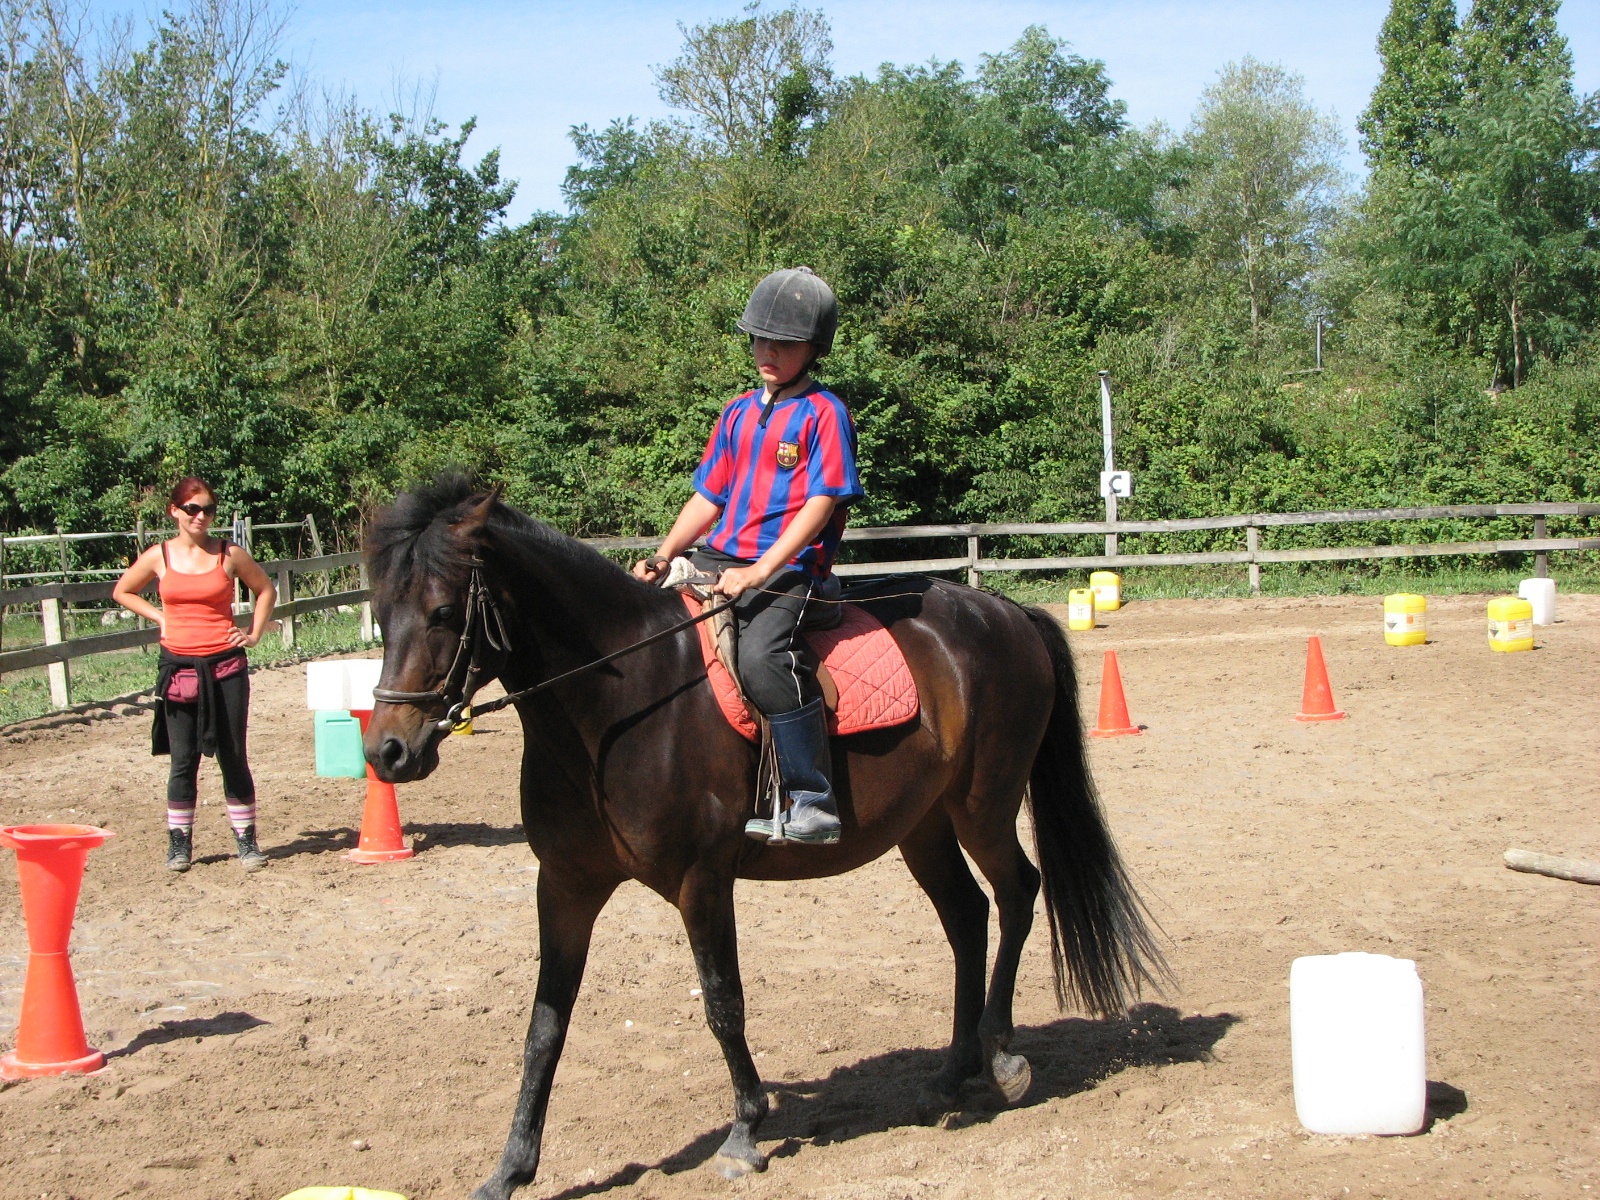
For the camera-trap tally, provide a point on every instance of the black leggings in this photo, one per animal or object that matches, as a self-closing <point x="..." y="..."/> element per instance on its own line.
<point x="183" y="731"/>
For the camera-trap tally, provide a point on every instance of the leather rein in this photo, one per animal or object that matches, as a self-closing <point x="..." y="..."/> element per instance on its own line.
<point x="485" y="624"/>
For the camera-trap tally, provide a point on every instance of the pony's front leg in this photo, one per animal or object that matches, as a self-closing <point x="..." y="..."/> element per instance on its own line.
<point x="706" y="902"/>
<point x="567" y="912"/>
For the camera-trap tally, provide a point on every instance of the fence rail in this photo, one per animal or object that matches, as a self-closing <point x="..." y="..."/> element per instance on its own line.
<point x="59" y="650"/>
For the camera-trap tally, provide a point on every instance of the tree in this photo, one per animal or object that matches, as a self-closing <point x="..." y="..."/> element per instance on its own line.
<point x="740" y="78"/>
<point x="1511" y="44"/>
<point x="1264" y="183"/>
<point x="1420" y="83"/>
<point x="1500" y="242"/>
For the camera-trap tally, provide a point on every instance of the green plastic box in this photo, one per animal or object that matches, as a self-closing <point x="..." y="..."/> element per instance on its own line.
<point x="339" y="753"/>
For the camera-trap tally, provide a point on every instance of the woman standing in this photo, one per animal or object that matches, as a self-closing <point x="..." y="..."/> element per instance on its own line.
<point x="203" y="685"/>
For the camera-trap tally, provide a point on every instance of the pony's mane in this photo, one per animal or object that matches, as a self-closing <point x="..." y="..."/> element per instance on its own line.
<point x="409" y="539"/>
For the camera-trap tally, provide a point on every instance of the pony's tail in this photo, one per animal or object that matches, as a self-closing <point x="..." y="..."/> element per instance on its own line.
<point x="1101" y="944"/>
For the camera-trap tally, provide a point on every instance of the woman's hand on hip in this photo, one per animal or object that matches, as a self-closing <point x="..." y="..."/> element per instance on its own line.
<point x="238" y="637"/>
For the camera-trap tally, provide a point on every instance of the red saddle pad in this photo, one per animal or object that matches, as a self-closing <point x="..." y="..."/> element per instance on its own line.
<point x="876" y="690"/>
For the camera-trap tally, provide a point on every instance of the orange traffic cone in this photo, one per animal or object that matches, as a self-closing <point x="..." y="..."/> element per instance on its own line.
<point x="381" y="839"/>
<point x="1114" y="720"/>
<point x="50" y="861"/>
<point x="1316" y="701"/>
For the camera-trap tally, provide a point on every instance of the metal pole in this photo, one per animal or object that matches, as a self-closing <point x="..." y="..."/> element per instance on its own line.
<point x="1319" y="343"/>
<point x="1106" y="439"/>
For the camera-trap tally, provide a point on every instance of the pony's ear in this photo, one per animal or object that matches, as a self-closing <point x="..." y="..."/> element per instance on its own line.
<point x="470" y="524"/>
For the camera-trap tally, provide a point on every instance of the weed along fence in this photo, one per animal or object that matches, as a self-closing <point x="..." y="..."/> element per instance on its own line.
<point x="1257" y="539"/>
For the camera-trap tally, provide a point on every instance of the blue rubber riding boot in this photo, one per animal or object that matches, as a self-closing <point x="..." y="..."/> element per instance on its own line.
<point x="804" y="762"/>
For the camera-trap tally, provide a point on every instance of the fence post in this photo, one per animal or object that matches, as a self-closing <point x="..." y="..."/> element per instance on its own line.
<point x="316" y="549"/>
<point x="60" y="678"/>
<point x="1252" y="544"/>
<point x="286" y="596"/>
<point x="366" y="608"/>
<point x="1541" y="558"/>
<point x="974" y="576"/>
<point x="61" y="548"/>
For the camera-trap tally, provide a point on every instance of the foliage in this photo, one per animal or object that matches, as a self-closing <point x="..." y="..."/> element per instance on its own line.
<point x="312" y="303"/>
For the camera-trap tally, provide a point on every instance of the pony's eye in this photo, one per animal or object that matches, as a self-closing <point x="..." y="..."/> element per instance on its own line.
<point x="442" y="614"/>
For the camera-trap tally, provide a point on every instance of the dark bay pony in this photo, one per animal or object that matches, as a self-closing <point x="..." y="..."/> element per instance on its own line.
<point x="630" y="771"/>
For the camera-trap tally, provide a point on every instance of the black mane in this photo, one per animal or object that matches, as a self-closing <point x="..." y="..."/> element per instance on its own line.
<point x="409" y="539"/>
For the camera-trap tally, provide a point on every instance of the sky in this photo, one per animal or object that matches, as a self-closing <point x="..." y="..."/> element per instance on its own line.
<point x="529" y="72"/>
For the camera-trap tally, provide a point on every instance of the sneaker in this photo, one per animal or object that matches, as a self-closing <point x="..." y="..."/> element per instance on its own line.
<point x="250" y="856"/>
<point x="180" y="848"/>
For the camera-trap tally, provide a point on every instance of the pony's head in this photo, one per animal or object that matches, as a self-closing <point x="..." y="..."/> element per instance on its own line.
<point x="421" y="553"/>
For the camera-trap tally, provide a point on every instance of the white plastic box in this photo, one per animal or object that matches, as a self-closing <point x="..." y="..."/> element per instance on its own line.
<point x="1541" y="593"/>
<point x="363" y="676"/>
<point x="1358" y="1045"/>
<point x="327" y="687"/>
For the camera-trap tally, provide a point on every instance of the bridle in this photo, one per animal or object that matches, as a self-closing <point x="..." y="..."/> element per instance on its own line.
<point x="484" y="625"/>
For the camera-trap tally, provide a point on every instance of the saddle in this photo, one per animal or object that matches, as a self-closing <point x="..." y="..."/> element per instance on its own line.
<point x="865" y="681"/>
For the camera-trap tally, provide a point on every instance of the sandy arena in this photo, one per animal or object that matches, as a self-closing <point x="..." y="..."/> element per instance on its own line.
<point x="323" y="1023"/>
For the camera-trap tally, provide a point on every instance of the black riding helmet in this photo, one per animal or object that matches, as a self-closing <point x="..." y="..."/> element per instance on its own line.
<point x="793" y="305"/>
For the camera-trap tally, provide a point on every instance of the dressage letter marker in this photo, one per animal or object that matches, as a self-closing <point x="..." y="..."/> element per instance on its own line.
<point x="50" y="862"/>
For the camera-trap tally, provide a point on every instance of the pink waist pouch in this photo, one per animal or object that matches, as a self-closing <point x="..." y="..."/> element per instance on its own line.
<point x="185" y="685"/>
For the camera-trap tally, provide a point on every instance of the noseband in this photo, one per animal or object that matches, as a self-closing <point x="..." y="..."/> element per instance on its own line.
<point x="485" y="625"/>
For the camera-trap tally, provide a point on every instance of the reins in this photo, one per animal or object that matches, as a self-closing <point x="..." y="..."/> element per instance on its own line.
<point x="483" y="611"/>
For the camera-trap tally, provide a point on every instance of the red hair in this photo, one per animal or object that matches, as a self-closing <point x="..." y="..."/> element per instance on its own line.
<point x="187" y="488"/>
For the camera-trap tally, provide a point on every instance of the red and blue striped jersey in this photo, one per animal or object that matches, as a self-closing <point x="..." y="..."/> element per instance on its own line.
<point x="762" y="476"/>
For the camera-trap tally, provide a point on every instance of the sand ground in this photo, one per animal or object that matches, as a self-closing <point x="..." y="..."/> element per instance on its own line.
<point x="261" y="1027"/>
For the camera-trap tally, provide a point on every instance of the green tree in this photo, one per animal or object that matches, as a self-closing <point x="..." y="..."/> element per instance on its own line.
<point x="1264" y="183"/>
<point x="1501" y="241"/>
<point x="1511" y="44"/>
<point x="1420" y="84"/>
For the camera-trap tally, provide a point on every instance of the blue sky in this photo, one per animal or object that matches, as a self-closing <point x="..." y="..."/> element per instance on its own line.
<point x="530" y="71"/>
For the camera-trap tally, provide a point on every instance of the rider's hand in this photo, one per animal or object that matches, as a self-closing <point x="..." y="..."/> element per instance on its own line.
<point x="650" y="569"/>
<point x="735" y="580"/>
<point x="238" y="637"/>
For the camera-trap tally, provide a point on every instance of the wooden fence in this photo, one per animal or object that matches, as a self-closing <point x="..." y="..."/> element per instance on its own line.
<point x="58" y="650"/>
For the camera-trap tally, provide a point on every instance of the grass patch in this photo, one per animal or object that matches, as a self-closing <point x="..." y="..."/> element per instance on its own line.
<point x="1295" y="579"/>
<point x="26" y="694"/>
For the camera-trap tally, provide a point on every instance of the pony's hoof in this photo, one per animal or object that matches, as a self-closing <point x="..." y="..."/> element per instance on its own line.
<point x="934" y="1108"/>
<point x="1011" y="1076"/>
<point x="730" y="1167"/>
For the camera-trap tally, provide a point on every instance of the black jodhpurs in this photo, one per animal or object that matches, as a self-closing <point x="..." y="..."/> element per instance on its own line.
<point x="183" y="731"/>
<point x="776" y="667"/>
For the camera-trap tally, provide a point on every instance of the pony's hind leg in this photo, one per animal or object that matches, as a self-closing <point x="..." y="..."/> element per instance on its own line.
<point x="934" y="858"/>
<point x="706" y="904"/>
<point x="994" y="847"/>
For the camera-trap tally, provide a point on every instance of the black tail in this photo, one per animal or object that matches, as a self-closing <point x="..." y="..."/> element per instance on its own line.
<point x="1100" y="941"/>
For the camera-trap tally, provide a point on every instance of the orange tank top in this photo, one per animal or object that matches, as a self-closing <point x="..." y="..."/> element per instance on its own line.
<point x="198" y="608"/>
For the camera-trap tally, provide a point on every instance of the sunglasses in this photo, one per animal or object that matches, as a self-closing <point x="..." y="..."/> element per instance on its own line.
<point x="194" y="510"/>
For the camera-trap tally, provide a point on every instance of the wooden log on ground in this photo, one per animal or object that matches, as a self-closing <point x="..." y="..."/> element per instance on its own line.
<point x="1576" y="869"/>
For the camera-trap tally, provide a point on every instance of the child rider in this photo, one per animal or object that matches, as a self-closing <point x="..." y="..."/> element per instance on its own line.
<point x="773" y="487"/>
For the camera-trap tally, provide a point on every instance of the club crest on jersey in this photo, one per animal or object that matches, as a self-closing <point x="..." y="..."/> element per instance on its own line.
<point x="788" y="453"/>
